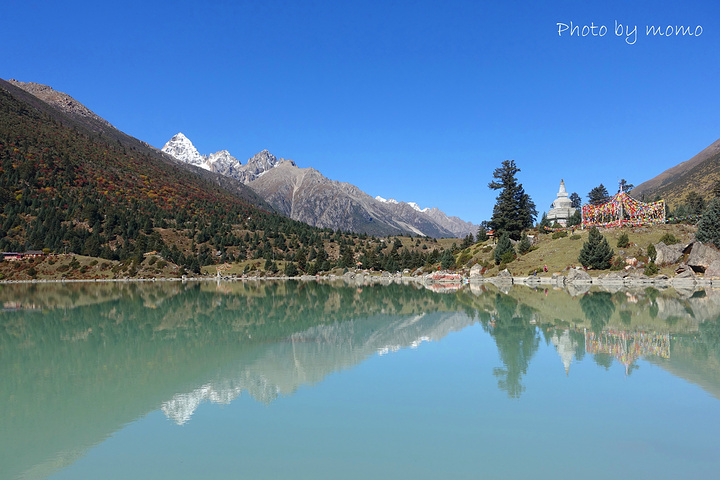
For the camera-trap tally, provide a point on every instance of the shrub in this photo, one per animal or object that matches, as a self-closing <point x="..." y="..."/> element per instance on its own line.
<point x="669" y="239"/>
<point x="524" y="245"/>
<point x="507" y="257"/>
<point x="618" y="263"/>
<point x="651" y="269"/>
<point x="559" y="234"/>
<point x="652" y="252"/>
<point x="596" y="253"/>
<point x="504" y="246"/>
<point x="623" y="240"/>
<point x="575" y="237"/>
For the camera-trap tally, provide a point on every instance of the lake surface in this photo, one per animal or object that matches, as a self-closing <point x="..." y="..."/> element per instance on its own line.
<point x="301" y="380"/>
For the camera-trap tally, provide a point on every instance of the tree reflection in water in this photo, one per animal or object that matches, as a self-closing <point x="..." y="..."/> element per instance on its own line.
<point x="517" y="341"/>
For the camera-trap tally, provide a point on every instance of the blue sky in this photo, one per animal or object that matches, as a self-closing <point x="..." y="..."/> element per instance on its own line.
<point x="414" y="100"/>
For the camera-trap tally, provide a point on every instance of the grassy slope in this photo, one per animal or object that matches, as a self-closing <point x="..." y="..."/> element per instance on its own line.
<point x="558" y="254"/>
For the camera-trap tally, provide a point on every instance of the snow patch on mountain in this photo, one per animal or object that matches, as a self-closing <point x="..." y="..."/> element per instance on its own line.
<point x="386" y="200"/>
<point x="392" y="201"/>
<point x="417" y="207"/>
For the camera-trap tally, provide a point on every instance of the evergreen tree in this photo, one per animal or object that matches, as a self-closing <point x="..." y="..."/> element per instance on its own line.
<point x="575" y="218"/>
<point x="290" y="269"/>
<point x="624" y="186"/>
<point x="467" y="241"/>
<point x="544" y="222"/>
<point x="709" y="224"/>
<point x="347" y="257"/>
<point x="524" y="245"/>
<point x="576" y="200"/>
<point x="598" y="195"/>
<point x="596" y="252"/>
<point x="695" y="203"/>
<point x="623" y="240"/>
<point x="447" y="260"/>
<point x="504" y="250"/>
<point x="301" y="260"/>
<point x="514" y="211"/>
<point x="482" y="235"/>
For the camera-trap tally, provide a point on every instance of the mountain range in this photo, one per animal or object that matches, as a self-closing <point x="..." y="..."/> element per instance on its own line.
<point x="304" y="194"/>
<point x="128" y="170"/>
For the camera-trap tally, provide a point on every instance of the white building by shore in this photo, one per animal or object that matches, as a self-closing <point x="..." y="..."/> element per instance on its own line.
<point x="562" y="209"/>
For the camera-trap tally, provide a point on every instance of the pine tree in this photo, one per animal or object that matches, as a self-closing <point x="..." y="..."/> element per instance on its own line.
<point x="514" y="211"/>
<point x="576" y="201"/>
<point x="575" y="218"/>
<point x="709" y="225"/>
<point x="624" y="186"/>
<point x="482" y="233"/>
<point x="598" y="195"/>
<point x="504" y="250"/>
<point x="524" y="245"/>
<point x="623" y="240"/>
<point x="290" y="269"/>
<point x="695" y="203"/>
<point x="596" y="252"/>
<point x="447" y="260"/>
<point x="544" y="223"/>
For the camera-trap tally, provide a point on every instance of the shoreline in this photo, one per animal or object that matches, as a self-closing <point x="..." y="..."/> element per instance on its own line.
<point x="577" y="278"/>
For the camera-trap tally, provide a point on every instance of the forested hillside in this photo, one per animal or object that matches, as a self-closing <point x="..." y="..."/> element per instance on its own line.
<point x="69" y="188"/>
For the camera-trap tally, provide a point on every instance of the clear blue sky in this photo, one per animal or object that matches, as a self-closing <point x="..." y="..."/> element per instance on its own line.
<point x="414" y="100"/>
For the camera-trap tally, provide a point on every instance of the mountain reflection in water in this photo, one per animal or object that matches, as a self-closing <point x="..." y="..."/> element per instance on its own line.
<point x="83" y="360"/>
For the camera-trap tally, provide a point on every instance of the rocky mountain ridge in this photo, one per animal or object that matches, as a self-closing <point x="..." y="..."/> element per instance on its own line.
<point x="304" y="194"/>
<point x="60" y="100"/>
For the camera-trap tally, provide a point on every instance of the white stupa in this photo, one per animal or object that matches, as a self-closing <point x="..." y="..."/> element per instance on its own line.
<point x="562" y="209"/>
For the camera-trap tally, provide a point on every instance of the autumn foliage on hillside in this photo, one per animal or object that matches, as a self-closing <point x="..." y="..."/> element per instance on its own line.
<point x="68" y="189"/>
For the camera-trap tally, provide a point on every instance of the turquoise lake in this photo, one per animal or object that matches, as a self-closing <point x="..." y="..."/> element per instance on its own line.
<point x="305" y="380"/>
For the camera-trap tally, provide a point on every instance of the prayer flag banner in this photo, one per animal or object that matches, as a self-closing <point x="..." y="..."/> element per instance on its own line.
<point x="623" y="210"/>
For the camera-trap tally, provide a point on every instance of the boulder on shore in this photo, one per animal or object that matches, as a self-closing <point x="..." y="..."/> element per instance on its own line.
<point x="505" y="274"/>
<point x="577" y="275"/>
<point x="701" y="256"/>
<point x="667" y="254"/>
<point x="713" y="270"/>
<point x="476" y="271"/>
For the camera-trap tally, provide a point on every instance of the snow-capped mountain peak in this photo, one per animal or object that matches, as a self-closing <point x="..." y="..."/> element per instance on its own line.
<point x="224" y="163"/>
<point x="417" y="207"/>
<point x="386" y="200"/>
<point x="182" y="148"/>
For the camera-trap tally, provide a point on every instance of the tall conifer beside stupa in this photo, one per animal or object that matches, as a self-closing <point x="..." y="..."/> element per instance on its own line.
<point x="514" y="211"/>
